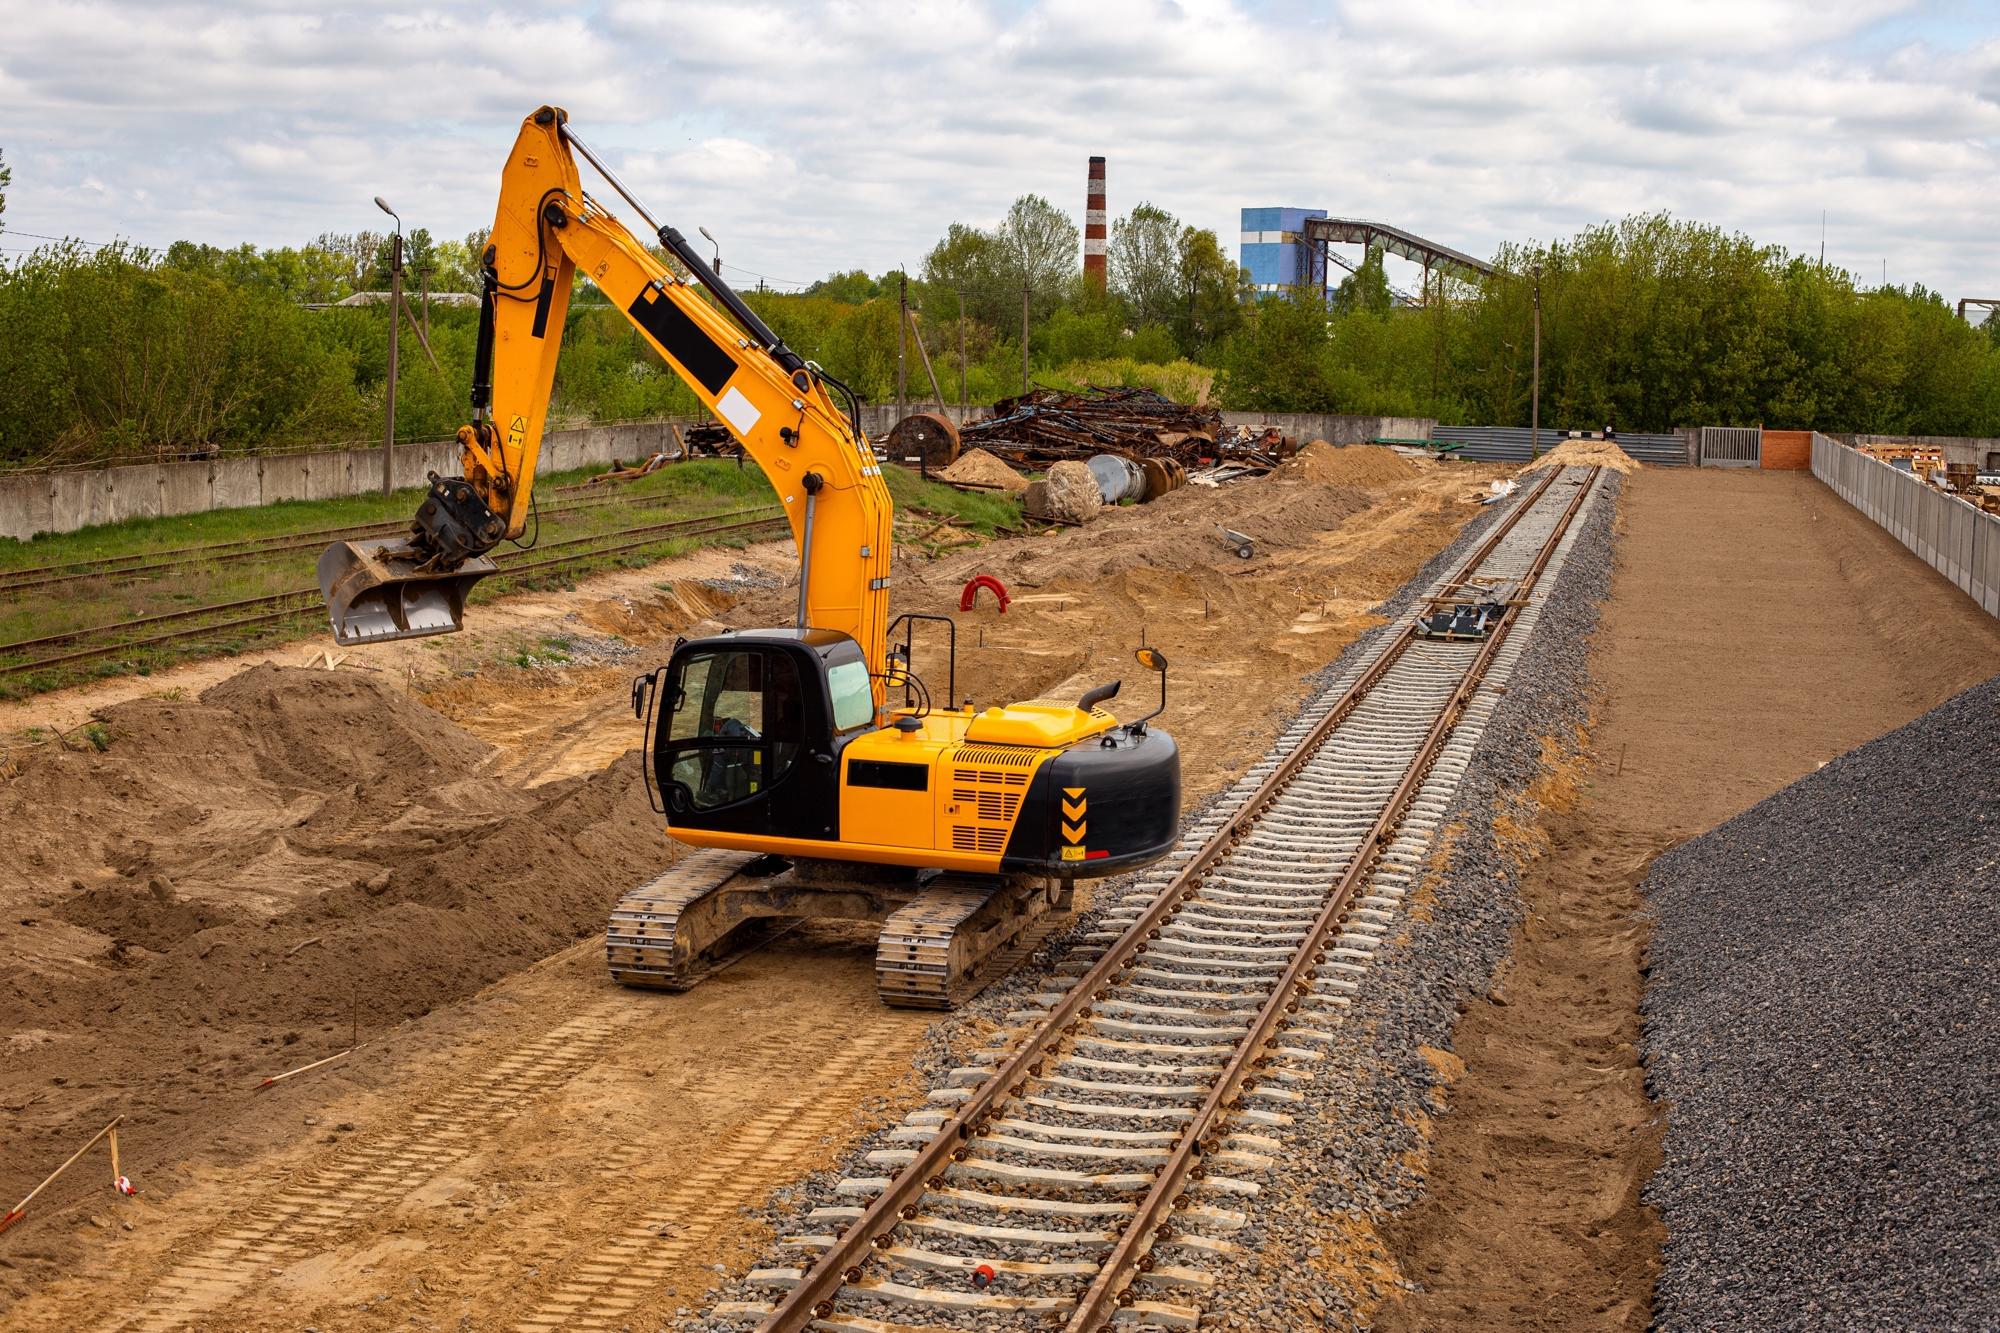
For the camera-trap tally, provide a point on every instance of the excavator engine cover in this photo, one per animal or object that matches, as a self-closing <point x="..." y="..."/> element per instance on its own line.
<point x="379" y="590"/>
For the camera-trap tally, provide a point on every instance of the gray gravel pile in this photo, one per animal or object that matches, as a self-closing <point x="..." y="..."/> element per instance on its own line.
<point x="1820" y="1016"/>
<point x="1348" y="1153"/>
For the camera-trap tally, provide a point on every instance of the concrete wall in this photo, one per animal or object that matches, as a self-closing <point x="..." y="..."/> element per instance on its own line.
<point x="1947" y="533"/>
<point x="33" y="503"/>
<point x="41" y="502"/>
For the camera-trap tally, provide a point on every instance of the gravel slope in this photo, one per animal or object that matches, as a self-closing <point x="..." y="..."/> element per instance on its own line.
<point x="1821" y="1018"/>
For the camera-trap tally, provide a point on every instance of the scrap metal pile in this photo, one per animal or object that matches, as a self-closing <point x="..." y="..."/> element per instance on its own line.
<point x="1049" y="426"/>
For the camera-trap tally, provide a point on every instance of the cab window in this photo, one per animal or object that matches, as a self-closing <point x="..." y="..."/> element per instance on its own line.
<point x="735" y="724"/>
<point x="853" y="700"/>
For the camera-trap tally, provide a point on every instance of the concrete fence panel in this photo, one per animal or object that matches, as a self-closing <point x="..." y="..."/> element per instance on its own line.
<point x="69" y="503"/>
<point x="1948" y="534"/>
<point x="184" y="488"/>
<point x="24" y="506"/>
<point x="234" y="483"/>
<point x="329" y="476"/>
<point x="284" y="477"/>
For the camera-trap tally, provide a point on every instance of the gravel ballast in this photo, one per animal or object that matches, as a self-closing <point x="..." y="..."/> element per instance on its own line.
<point x="1820" y="1019"/>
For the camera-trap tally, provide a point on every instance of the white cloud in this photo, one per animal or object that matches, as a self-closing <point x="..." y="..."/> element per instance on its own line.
<point x="829" y="134"/>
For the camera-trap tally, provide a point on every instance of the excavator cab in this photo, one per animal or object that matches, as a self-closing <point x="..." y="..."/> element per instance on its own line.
<point x="768" y="740"/>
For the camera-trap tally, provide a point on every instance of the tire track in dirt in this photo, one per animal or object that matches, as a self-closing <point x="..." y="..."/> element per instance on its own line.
<point x="739" y="1168"/>
<point x="298" y="1218"/>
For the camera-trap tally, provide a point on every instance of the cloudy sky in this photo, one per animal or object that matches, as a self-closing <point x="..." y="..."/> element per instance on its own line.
<point x="811" y="137"/>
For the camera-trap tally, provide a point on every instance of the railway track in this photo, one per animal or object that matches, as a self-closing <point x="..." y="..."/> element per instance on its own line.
<point x="256" y="614"/>
<point x="1093" y="1166"/>
<point x="159" y="564"/>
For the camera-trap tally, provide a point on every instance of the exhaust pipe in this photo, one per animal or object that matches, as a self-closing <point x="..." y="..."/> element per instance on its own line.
<point x="378" y="590"/>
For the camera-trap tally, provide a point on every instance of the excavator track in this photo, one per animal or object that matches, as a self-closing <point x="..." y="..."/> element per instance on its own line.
<point x="648" y="942"/>
<point x="941" y="943"/>
<point x="958" y="936"/>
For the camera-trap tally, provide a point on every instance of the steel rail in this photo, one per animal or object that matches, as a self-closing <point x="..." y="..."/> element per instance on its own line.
<point x="350" y="530"/>
<point x="22" y="645"/>
<point x="812" y="1297"/>
<point x="252" y="548"/>
<point x="317" y="603"/>
<point x="1110" y="1288"/>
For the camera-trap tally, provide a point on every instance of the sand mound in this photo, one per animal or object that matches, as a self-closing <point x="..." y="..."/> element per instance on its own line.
<point x="979" y="468"/>
<point x="326" y="730"/>
<point x="1589" y="453"/>
<point x="1370" y="465"/>
<point x="291" y="805"/>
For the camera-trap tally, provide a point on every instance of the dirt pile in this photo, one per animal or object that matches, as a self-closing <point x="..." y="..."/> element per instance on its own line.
<point x="978" y="468"/>
<point x="1589" y="453"/>
<point x="1369" y="465"/>
<point x="240" y="881"/>
<point x="671" y="609"/>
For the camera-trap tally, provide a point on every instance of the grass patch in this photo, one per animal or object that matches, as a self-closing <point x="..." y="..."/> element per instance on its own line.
<point x="982" y="513"/>
<point x="684" y="491"/>
<point x="687" y="491"/>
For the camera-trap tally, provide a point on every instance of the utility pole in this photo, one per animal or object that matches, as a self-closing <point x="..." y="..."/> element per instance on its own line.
<point x="961" y="358"/>
<point x="1535" y="412"/>
<point x="902" y="336"/>
<point x="395" y="331"/>
<point x="1024" y="337"/>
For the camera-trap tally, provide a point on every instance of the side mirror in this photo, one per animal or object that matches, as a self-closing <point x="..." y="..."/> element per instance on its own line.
<point x="1153" y="660"/>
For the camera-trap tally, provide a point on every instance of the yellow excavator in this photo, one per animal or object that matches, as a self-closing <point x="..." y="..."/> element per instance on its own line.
<point x="782" y="755"/>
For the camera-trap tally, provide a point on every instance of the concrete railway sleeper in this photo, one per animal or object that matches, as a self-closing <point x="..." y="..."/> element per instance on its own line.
<point x="1093" y="1166"/>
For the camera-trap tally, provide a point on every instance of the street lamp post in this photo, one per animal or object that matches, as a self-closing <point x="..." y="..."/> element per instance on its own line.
<point x="395" y="322"/>
<point x="1024" y="337"/>
<point x="1535" y="395"/>
<point x="718" y="249"/>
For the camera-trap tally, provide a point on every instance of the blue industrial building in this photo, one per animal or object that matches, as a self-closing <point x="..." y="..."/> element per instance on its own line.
<point x="1274" y="252"/>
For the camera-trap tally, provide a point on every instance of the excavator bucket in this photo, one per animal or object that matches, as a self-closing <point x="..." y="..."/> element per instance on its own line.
<point x="375" y="592"/>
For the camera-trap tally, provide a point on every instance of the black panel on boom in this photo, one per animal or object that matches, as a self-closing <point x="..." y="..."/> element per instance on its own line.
<point x="683" y="339"/>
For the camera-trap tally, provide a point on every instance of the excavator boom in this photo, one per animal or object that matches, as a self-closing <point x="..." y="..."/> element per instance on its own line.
<point x="546" y="230"/>
<point x="774" y="752"/>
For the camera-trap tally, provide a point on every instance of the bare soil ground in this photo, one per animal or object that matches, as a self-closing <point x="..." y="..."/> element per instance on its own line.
<point x="267" y="865"/>
<point x="1758" y="626"/>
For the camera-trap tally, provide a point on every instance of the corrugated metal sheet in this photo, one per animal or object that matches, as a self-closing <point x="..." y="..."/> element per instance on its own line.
<point x="1957" y="540"/>
<point x="1515" y="444"/>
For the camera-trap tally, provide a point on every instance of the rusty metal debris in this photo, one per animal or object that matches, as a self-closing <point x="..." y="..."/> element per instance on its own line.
<point x="1049" y="426"/>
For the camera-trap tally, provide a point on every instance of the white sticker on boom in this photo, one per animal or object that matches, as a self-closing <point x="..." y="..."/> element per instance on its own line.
<point x="738" y="411"/>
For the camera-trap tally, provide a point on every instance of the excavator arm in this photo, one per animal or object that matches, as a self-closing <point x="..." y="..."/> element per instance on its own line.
<point x="778" y="405"/>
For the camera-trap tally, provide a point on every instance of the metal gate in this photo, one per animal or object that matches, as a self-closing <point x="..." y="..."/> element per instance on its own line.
<point x="1732" y="446"/>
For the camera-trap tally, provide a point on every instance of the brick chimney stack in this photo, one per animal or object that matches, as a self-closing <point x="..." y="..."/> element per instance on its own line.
<point x="1093" y="225"/>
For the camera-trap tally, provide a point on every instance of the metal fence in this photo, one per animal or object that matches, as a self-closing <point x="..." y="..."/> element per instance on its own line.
<point x="1947" y="533"/>
<point x="1732" y="446"/>
<point x="1515" y="444"/>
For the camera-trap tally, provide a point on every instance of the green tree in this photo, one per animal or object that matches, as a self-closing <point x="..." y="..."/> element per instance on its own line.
<point x="854" y="287"/>
<point x="1145" y="263"/>
<point x="1365" y="289"/>
<point x="1037" y="245"/>
<point x="1215" y="291"/>
<point x="6" y="179"/>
